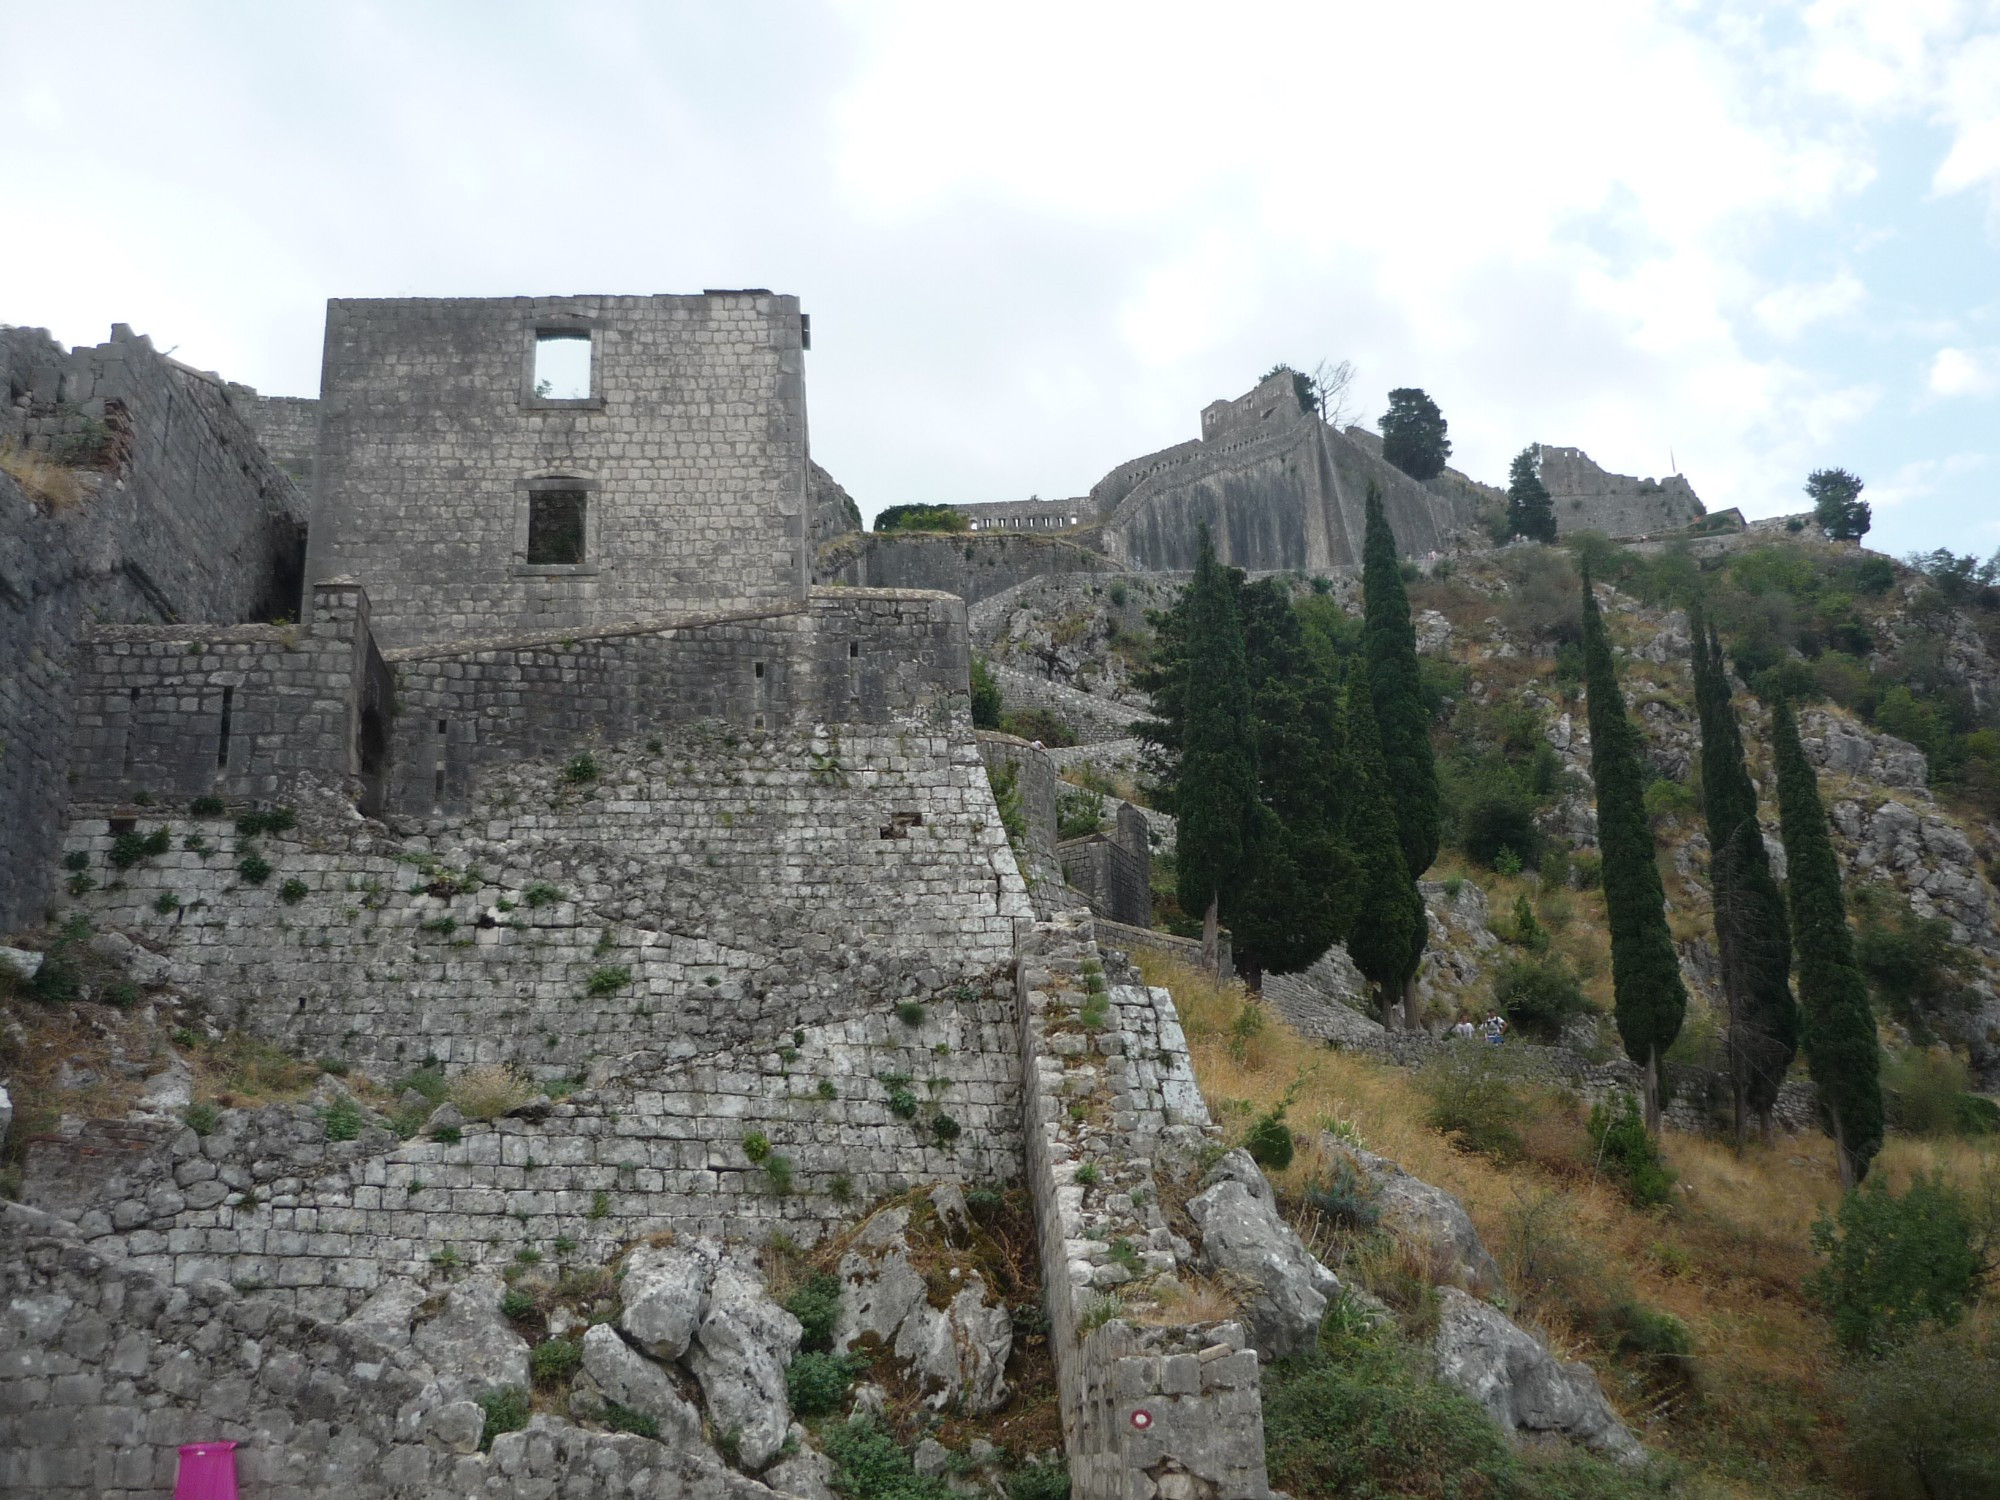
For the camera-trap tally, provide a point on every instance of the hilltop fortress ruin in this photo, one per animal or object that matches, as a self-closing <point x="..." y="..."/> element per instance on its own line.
<point x="530" y="698"/>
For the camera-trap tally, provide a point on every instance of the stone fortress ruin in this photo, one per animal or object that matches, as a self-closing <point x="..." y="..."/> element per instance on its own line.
<point x="530" y="698"/>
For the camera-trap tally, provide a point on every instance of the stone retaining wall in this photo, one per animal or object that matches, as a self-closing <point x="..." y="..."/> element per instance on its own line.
<point x="717" y="890"/>
<point x="268" y="1203"/>
<point x="1150" y="1407"/>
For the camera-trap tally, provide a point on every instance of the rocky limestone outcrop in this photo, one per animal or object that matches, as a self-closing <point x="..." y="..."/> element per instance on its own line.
<point x="739" y="1355"/>
<point x="1526" y="1389"/>
<point x="957" y="1353"/>
<point x="1415" y="1210"/>
<point x="1244" y="1239"/>
<point x="665" y="1295"/>
<point x="614" y="1371"/>
<point x="470" y="1345"/>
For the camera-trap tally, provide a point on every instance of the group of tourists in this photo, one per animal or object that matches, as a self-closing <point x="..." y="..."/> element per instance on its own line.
<point x="1494" y="1028"/>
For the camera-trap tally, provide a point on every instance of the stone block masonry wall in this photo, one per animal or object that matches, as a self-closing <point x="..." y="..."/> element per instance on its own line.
<point x="267" y="1203"/>
<point x="972" y="566"/>
<point x="849" y="657"/>
<point x="1588" y="498"/>
<point x="183" y="519"/>
<point x="286" y="426"/>
<point x="1150" y="1408"/>
<point x="723" y="888"/>
<point x="1093" y="718"/>
<point x="105" y="1371"/>
<point x="239" y="711"/>
<point x="690" y="448"/>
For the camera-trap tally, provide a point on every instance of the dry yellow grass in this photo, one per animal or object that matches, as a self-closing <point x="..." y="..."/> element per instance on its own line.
<point x="1729" y="1258"/>
<point x="48" y="481"/>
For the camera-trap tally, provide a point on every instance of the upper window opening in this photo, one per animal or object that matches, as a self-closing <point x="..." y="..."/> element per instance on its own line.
<point x="562" y="365"/>
<point x="555" y="526"/>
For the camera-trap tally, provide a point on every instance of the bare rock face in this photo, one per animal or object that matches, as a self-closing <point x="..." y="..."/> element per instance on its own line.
<point x="739" y="1355"/>
<point x="665" y="1293"/>
<point x="469" y="1345"/>
<point x="958" y="1353"/>
<point x="386" y="1315"/>
<point x="1485" y="1354"/>
<point x="621" y="1374"/>
<point x="1242" y="1235"/>
<point x="1839" y="744"/>
<point x="1416" y="1210"/>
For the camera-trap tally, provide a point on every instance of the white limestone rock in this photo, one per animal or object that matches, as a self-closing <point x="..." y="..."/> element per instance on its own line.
<point x="385" y="1316"/>
<point x="739" y="1355"/>
<point x="665" y="1293"/>
<point x="622" y="1374"/>
<point x="470" y="1346"/>
<point x="1416" y="1210"/>
<point x="1242" y="1234"/>
<point x="1483" y="1353"/>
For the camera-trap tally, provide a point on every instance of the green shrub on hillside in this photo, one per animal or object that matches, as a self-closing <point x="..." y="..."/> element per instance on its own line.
<point x="868" y="1464"/>
<point x="1539" y="996"/>
<point x="1627" y="1150"/>
<point x="1925" y="1420"/>
<point x="1475" y="1097"/>
<point x="1895" y="1263"/>
<point x="1928" y="1093"/>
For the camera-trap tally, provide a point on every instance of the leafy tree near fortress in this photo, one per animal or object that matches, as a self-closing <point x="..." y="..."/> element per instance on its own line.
<point x="1221" y="820"/>
<point x="1842" y="1051"/>
<point x="1389" y="925"/>
<point x="1530" y="511"/>
<point x="1838" y="509"/>
<point x="919" y="518"/>
<point x="1648" y="998"/>
<point x="1751" y="930"/>
<point x="1389" y="641"/>
<point x="1413" y="434"/>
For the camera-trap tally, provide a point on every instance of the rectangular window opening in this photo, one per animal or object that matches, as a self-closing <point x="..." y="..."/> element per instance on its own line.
<point x="222" y="740"/>
<point x="562" y="365"/>
<point x="854" y="648"/>
<point x="555" y="526"/>
<point x="760" y="670"/>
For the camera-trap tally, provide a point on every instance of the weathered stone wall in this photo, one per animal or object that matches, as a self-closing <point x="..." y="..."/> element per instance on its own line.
<point x="184" y="519"/>
<point x="834" y="512"/>
<point x="267" y="1203"/>
<point x="105" y="1372"/>
<point x="850" y="656"/>
<point x="691" y="447"/>
<point x="1035" y="784"/>
<point x="1588" y="498"/>
<point x="238" y="711"/>
<point x="704" y="895"/>
<point x="287" y="428"/>
<point x="1276" y="496"/>
<point x="1139" y="1403"/>
<point x="1093" y="718"/>
<point x="972" y="567"/>
<point x="1028" y="515"/>
<point x="1114" y="871"/>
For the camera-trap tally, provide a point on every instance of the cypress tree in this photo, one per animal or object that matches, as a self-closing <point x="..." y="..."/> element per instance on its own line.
<point x="1842" y="1051"/>
<point x="1220" y="818"/>
<point x="1751" y="930"/>
<point x="1645" y="974"/>
<point x="1389" y="924"/>
<point x="1389" y="642"/>
<point x="1288" y="912"/>
<point x="1530" y="511"/>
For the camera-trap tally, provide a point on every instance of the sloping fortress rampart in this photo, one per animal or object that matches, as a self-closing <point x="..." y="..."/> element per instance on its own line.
<point x="536" y="747"/>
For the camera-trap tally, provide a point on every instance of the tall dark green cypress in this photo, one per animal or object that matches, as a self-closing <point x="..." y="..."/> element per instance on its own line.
<point x="1649" y="999"/>
<point x="1530" y="510"/>
<point x="1751" y="930"/>
<point x="1389" y="641"/>
<point x="1220" y="816"/>
<point x="1390" y="926"/>
<point x="1289" y="911"/>
<point x="1842" y="1051"/>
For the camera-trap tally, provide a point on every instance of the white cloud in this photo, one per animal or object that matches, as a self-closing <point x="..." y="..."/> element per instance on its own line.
<point x="1788" y="311"/>
<point x="1962" y="372"/>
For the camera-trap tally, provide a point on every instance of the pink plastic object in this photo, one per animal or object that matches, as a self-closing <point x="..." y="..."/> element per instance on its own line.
<point x="208" y="1472"/>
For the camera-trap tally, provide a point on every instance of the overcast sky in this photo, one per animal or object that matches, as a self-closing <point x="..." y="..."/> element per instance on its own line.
<point x="1035" y="239"/>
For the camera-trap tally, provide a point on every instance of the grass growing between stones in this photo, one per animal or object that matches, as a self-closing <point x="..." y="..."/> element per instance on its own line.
<point x="999" y="1244"/>
<point x="1753" y="1407"/>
